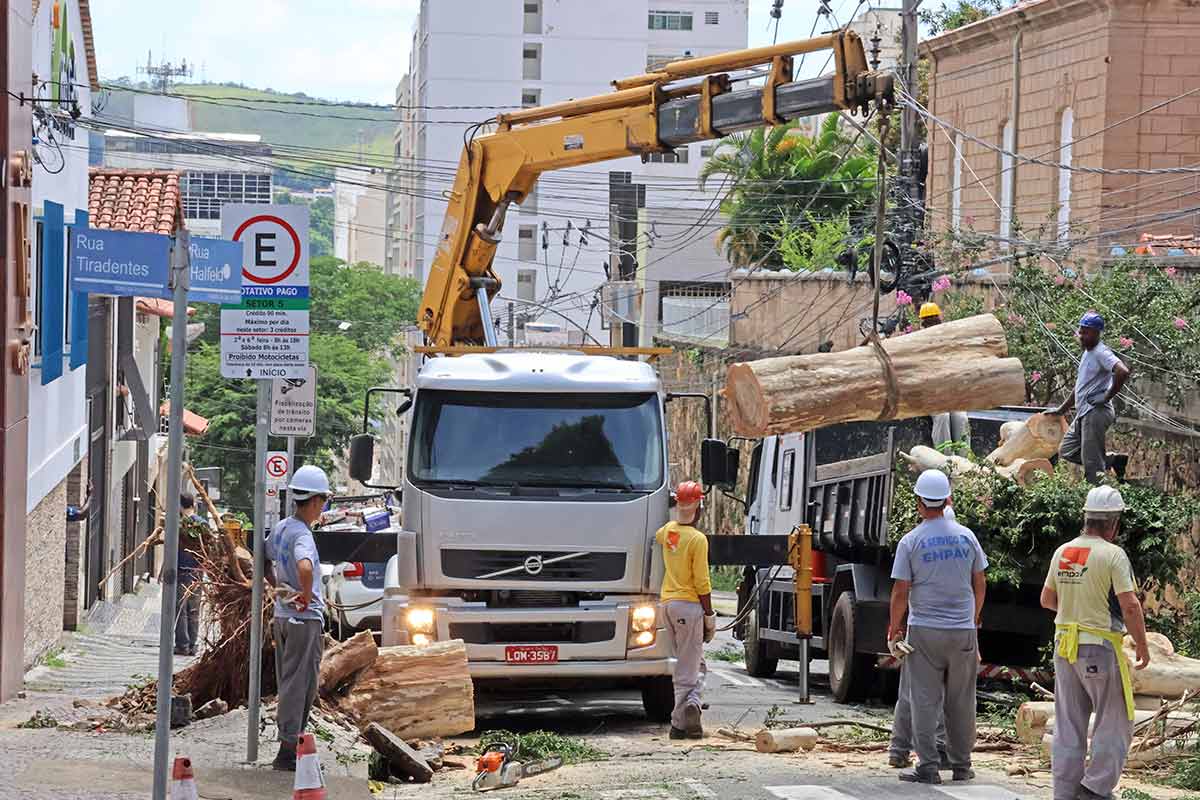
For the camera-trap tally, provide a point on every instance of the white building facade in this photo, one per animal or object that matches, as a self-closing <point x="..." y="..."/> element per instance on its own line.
<point x="359" y="214"/>
<point x="471" y="59"/>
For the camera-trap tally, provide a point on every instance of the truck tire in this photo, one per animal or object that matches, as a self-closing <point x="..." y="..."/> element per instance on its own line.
<point x="850" y="672"/>
<point x="758" y="664"/>
<point x="658" y="698"/>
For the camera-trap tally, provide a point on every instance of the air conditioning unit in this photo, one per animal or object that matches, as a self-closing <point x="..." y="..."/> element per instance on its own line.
<point x="621" y="301"/>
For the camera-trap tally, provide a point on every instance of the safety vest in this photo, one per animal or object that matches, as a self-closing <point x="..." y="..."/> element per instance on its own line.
<point x="1068" y="648"/>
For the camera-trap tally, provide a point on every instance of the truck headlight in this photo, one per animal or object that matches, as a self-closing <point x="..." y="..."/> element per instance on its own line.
<point x="642" y="618"/>
<point x="644" y="639"/>
<point x="420" y="620"/>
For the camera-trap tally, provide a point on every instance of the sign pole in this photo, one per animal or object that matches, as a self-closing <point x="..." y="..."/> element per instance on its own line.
<point x="256" y="596"/>
<point x="284" y="493"/>
<point x="180" y="267"/>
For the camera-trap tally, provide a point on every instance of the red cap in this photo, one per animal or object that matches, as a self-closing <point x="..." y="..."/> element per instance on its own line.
<point x="688" y="493"/>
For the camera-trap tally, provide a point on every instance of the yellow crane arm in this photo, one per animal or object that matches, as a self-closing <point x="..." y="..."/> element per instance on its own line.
<point x="646" y="114"/>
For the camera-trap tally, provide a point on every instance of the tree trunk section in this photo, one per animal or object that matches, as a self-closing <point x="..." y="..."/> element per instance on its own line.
<point x="786" y="740"/>
<point x="416" y="692"/>
<point x="403" y="760"/>
<point x="1036" y="719"/>
<point x="1026" y="470"/>
<point x="346" y="658"/>
<point x="1037" y="437"/>
<point x="957" y="366"/>
<point x="1168" y="675"/>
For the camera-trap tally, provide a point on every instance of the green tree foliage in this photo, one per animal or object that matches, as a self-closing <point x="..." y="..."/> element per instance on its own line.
<point x="377" y="306"/>
<point x="776" y="176"/>
<point x="320" y="221"/>
<point x="1152" y="316"/>
<point x="1021" y="527"/>
<point x="816" y="244"/>
<point x="957" y="13"/>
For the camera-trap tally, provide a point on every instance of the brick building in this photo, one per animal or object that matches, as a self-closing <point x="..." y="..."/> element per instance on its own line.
<point x="1051" y="79"/>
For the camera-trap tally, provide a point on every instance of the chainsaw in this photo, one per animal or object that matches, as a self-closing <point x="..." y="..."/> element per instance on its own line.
<point x="496" y="768"/>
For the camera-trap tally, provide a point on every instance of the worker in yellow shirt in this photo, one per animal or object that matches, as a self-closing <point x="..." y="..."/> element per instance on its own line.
<point x="1091" y="590"/>
<point x="687" y="606"/>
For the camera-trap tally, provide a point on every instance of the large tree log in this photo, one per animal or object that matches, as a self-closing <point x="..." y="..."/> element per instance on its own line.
<point x="1168" y="675"/>
<point x="1037" y="437"/>
<point x="1036" y="719"/>
<point x="1026" y="470"/>
<point x="346" y="658"/>
<point x="416" y="692"/>
<point x="957" y="366"/>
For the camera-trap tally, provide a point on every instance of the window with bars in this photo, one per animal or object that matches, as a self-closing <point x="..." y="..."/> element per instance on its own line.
<point x="712" y="17"/>
<point x="670" y="20"/>
<point x="533" y="16"/>
<point x="531" y="62"/>
<point x="203" y="193"/>
<point x="527" y="285"/>
<point x="708" y="150"/>
<point x="531" y="98"/>
<point x="679" y="156"/>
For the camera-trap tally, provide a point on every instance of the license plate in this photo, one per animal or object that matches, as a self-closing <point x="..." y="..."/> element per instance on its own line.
<point x="533" y="654"/>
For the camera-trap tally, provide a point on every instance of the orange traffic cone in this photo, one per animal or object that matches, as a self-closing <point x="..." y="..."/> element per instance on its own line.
<point x="309" y="783"/>
<point x="183" y="783"/>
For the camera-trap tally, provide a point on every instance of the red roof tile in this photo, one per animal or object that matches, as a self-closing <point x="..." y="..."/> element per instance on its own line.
<point x="193" y="423"/>
<point x="159" y="307"/>
<point x="145" y="200"/>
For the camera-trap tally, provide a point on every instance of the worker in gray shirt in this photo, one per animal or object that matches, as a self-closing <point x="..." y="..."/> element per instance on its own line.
<point x="1101" y="376"/>
<point x="298" y="626"/>
<point x="938" y="581"/>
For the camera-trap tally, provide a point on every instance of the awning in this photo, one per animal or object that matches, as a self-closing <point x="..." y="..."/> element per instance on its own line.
<point x="159" y="308"/>
<point x="193" y="423"/>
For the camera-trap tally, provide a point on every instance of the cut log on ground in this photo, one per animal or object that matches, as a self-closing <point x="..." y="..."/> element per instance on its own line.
<point x="785" y="740"/>
<point x="1037" y="437"/>
<point x="957" y="366"/>
<point x="1169" y="674"/>
<point x="1168" y="750"/>
<point x="403" y="760"/>
<point x="416" y="692"/>
<point x="1035" y="720"/>
<point x="346" y="658"/>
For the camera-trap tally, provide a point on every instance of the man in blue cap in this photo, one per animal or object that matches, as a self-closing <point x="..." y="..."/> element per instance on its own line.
<point x="1101" y="376"/>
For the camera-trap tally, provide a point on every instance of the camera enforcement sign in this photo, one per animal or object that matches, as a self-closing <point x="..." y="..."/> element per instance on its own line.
<point x="266" y="334"/>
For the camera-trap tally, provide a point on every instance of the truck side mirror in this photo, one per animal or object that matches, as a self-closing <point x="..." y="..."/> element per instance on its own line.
<point x="714" y="463"/>
<point x="362" y="457"/>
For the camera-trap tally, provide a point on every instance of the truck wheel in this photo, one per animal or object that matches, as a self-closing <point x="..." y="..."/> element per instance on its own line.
<point x="849" y="671"/>
<point x="658" y="698"/>
<point x="757" y="662"/>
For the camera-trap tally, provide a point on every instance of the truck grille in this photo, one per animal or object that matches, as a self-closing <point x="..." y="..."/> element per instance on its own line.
<point x="533" y="632"/>
<point x="533" y="565"/>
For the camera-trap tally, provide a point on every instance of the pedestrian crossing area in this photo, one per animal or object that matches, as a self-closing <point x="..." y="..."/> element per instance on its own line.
<point x="861" y="790"/>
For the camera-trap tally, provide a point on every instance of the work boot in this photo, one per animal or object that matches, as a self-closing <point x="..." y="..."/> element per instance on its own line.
<point x="691" y="722"/>
<point x="899" y="760"/>
<point x="678" y="733"/>
<point x="927" y="774"/>
<point x="1117" y="462"/>
<point x="285" y="759"/>
<point x="964" y="774"/>
<point x="1085" y="793"/>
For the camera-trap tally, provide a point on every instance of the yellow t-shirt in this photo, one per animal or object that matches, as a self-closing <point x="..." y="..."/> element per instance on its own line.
<point x="685" y="555"/>
<point x="1088" y="573"/>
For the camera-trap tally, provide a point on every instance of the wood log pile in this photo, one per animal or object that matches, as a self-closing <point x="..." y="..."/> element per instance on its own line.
<point x="957" y="366"/>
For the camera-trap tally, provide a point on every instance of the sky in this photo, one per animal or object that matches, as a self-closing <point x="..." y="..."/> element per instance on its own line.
<point x="352" y="50"/>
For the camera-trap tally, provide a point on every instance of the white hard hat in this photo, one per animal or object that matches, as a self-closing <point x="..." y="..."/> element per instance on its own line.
<point x="307" y="481"/>
<point x="932" y="484"/>
<point x="1104" y="500"/>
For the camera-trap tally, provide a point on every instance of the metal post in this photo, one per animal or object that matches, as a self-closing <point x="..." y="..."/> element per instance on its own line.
<point x="180" y="266"/>
<point x="285" y="495"/>
<point x="803" y="670"/>
<point x="485" y="316"/>
<point x="512" y="325"/>
<point x="908" y="72"/>
<point x="256" y="596"/>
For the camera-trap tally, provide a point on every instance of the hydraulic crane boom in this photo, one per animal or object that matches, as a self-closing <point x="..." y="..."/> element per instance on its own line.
<point x="646" y="114"/>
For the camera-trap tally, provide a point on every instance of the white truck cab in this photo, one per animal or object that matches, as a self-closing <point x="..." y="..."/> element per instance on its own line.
<point x="535" y="482"/>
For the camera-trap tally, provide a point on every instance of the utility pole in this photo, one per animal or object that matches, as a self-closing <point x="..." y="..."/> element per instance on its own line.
<point x="910" y="180"/>
<point x="253" y="703"/>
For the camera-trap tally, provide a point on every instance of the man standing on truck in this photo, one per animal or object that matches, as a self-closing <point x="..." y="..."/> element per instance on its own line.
<point x="298" y="627"/>
<point x="687" y="606"/>
<point x="951" y="426"/>
<point x="1101" y="376"/>
<point x="1091" y="590"/>
<point x="938" y="580"/>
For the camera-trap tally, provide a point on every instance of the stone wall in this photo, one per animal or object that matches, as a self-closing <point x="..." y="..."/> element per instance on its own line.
<point x="45" y="568"/>
<point x="76" y="536"/>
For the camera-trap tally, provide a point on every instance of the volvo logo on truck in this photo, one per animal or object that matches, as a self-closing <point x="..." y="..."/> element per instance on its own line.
<point x="533" y="565"/>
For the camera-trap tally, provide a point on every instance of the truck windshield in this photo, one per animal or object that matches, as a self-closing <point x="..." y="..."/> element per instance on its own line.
<point x="564" y="440"/>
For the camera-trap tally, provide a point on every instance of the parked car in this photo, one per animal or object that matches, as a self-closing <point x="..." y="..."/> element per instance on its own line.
<point x="356" y="588"/>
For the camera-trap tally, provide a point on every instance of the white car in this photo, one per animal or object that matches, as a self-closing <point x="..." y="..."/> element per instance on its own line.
<point x="356" y="588"/>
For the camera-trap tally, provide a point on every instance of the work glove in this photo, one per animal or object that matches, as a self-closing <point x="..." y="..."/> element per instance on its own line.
<point x="899" y="649"/>
<point x="710" y="627"/>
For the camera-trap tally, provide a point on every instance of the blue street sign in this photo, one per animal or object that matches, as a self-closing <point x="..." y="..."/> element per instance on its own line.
<point x="216" y="275"/>
<point x="119" y="262"/>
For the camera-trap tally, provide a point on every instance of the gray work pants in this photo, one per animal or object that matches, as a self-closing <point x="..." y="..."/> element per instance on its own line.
<point x="902" y="724"/>
<point x="942" y="670"/>
<point x="685" y="626"/>
<point x="950" y="427"/>
<point x="299" y="645"/>
<point x="1091" y="684"/>
<point x="1083" y="443"/>
<point x="187" y="616"/>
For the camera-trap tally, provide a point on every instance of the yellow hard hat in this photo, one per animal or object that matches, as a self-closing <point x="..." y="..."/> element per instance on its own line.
<point x="929" y="310"/>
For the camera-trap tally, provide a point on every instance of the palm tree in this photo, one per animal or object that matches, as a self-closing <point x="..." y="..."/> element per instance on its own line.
<point x="778" y="178"/>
